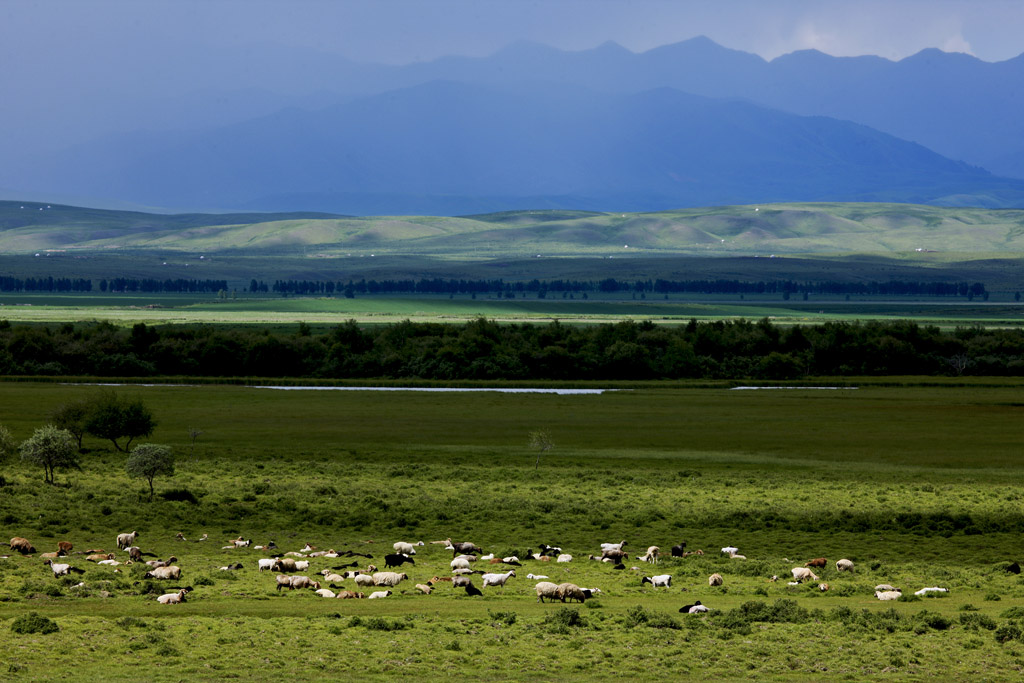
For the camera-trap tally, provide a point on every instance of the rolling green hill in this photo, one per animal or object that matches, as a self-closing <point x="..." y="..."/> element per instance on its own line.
<point x="733" y="230"/>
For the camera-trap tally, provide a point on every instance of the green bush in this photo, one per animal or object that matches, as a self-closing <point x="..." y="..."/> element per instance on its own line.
<point x="33" y="623"/>
<point x="1007" y="632"/>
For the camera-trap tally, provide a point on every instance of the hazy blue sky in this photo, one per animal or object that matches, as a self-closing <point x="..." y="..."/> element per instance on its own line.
<point x="401" y="31"/>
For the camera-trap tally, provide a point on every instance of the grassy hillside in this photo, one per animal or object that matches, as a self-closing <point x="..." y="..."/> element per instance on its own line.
<point x="769" y="229"/>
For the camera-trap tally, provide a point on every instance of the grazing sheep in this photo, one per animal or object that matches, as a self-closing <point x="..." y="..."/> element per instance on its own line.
<point x="685" y="609"/>
<point x="135" y="553"/>
<point x="423" y="588"/>
<point x="388" y="578"/>
<point x="564" y="558"/>
<point x="406" y="548"/>
<point x="651" y="555"/>
<point x="172" y="598"/>
<point x="888" y="595"/>
<point x="844" y="566"/>
<point x="546" y="589"/>
<point x="460" y="563"/>
<point x="293" y="582"/>
<point x="171" y="572"/>
<point x="326" y="593"/>
<point x="570" y="592"/>
<point x="465" y="548"/>
<point x="823" y="587"/>
<point x="461" y="581"/>
<point x="379" y="594"/>
<point x="364" y="580"/>
<point x="715" y="580"/>
<point x="931" y="589"/>
<point x="679" y="550"/>
<point x="513" y="560"/>
<point x="58" y="569"/>
<point x="803" y="574"/>
<point x="397" y="560"/>
<point x="266" y="564"/>
<point x="660" y="581"/>
<point x="350" y="595"/>
<point x="285" y="564"/>
<point x="498" y="579"/>
<point x="64" y="547"/>
<point x="616" y="555"/>
<point x="301" y="565"/>
<point x="21" y="545"/>
<point x="472" y="590"/>
<point x="126" y="540"/>
<point x="612" y="546"/>
<point x="818" y="562"/>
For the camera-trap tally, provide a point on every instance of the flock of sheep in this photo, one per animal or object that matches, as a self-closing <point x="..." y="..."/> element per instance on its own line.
<point x="373" y="584"/>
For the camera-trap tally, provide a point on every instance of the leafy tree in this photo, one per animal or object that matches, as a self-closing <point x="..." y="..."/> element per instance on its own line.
<point x="52" y="448"/>
<point x="147" y="460"/>
<point x="72" y="417"/>
<point x="114" y="417"/>
<point x="540" y="441"/>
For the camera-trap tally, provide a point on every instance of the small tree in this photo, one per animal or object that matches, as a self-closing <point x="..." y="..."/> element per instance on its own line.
<point x="147" y="460"/>
<point x="52" y="448"/>
<point x="193" y="434"/>
<point x="72" y="417"/>
<point x="540" y="441"/>
<point x="113" y="417"/>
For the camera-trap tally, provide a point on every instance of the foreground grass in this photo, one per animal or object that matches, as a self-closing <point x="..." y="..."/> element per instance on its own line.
<point x="918" y="486"/>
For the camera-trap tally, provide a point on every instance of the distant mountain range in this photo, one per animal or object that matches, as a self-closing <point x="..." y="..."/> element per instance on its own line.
<point x="691" y="124"/>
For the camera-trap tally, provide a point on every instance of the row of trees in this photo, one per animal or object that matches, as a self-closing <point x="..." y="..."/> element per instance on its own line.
<point x="55" y="447"/>
<point x="483" y="349"/>
<point x="611" y="285"/>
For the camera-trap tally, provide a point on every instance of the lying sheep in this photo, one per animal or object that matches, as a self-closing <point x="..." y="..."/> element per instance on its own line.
<point x="715" y="580"/>
<point x="564" y="558"/>
<point x="162" y="563"/>
<point x="172" y="598"/>
<point x="397" y="560"/>
<point x="546" y="589"/>
<point x="379" y="594"/>
<point x="888" y="595"/>
<point x="364" y="580"/>
<point x="350" y="595"/>
<point x="689" y="609"/>
<point x="388" y="578"/>
<point x="326" y="593"/>
<point x="460" y="563"/>
<point x="461" y="581"/>
<point x="422" y="588"/>
<point x="331" y="577"/>
<point x="99" y="557"/>
<point x="885" y="587"/>
<point x="931" y="589"/>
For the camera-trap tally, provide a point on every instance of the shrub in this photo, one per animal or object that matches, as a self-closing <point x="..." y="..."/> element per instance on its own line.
<point x="1012" y="613"/>
<point x="33" y="623"/>
<point x="564" y="619"/>
<point x="180" y="496"/>
<point x="1007" y="632"/>
<point x="131" y="622"/>
<point x="382" y="624"/>
<point x="507" y="618"/>
<point x="976" y="621"/>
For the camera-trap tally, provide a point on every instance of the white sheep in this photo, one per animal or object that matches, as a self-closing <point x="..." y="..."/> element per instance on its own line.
<point x="612" y="546"/>
<point x="379" y="594"/>
<point x="407" y="548"/>
<point x="58" y="569"/>
<point x="803" y="574"/>
<point x="715" y="580"/>
<point x="498" y="579"/>
<point x="730" y="550"/>
<point x="331" y="577"/>
<point x="125" y="540"/>
<point x="888" y="595"/>
<point x="266" y="564"/>
<point x="487" y="557"/>
<point x="364" y="580"/>
<point x="931" y="589"/>
<point x="388" y="578"/>
<point x="660" y="581"/>
<point x="423" y="588"/>
<point x="172" y="598"/>
<point x="536" y="576"/>
<point x="325" y="593"/>
<point x="651" y="555"/>
<point x="565" y="557"/>
<point x="886" y="587"/>
<point x="172" y="572"/>
<point x="460" y="563"/>
<point x="301" y="565"/>
<point x="110" y="563"/>
<point x="844" y="566"/>
<point x="546" y="589"/>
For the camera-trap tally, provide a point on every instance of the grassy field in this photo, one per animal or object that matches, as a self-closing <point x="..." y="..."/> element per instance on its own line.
<point x="919" y="486"/>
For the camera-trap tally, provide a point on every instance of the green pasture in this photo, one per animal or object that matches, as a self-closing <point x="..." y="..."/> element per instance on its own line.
<point x="158" y="309"/>
<point x="919" y="486"/>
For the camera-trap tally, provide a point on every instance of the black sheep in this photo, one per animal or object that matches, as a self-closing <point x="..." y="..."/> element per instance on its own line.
<point x="397" y="560"/>
<point x="472" y="590"/>
<point x="679" y="550"/>
<point x="685" y="609"/>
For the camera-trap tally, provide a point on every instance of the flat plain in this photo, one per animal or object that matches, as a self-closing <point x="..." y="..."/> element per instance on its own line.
<point x="918" y="485"/>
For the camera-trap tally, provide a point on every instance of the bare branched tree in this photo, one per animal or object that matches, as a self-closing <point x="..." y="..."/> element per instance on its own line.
<point x="541" y="442"/>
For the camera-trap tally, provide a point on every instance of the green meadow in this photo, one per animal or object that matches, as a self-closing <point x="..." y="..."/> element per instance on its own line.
<point x="917" y="485"/>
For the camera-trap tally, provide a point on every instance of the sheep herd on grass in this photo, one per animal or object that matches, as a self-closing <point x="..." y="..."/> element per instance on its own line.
<point x="285" y="566"/>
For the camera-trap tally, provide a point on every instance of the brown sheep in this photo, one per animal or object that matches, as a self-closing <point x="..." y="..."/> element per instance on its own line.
<point x="135" y="553"/>
<point x="349" y="595"/>
<point x="64" y="547"/>
<point x="715" y="580"/>
<point x="285" y="564"/>
<point x="570" y="592"/>
<point x="819" y="562"/>
<point x="21" y="545"/>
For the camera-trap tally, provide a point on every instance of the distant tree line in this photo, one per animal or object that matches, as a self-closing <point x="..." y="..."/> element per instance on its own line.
<point x="44" y="284"/>
<point x="483" y="349"/>
<point x="126" y="284"/>
<point x="611" y="285"/>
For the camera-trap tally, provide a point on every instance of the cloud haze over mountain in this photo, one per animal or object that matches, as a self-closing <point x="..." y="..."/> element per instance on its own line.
<point x="230" y="104"/>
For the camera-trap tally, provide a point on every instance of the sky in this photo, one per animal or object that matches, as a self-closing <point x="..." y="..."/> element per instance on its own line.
<point x="404" y="31"/>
